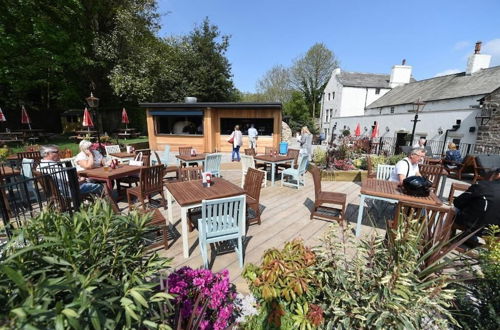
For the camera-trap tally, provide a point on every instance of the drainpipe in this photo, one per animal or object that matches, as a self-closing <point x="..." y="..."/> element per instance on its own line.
<point x="453" y="129"/>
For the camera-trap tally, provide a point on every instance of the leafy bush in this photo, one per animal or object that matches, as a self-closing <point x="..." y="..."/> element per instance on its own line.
<point x="319" y="156"/>
<point x="479" y="298"/>
<point x="382" y="286"/>
<point x="285" y="285"/>
<point x="86" y="270"/>
<point x="4" y="152"/>
<point x="392" y="160"/>
<point x="216" y="290"/>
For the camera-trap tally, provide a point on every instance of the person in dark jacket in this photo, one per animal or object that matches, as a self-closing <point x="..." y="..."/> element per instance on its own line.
<point x="479" y="206"/>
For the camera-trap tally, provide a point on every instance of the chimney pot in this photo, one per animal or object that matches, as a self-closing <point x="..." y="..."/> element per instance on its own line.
<point x="477" y="49"/>
<point x="404" y="61"/>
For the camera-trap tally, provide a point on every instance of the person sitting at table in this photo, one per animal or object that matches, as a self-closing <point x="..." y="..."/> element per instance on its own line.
<point x="408" y="166"/>
<point x="88" y="158"/>
<point x="51" y="157"/>
<point x="453" y="158"/>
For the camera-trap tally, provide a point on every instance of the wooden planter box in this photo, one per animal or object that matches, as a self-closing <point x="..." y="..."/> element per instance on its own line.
<point x="352" y="176"/>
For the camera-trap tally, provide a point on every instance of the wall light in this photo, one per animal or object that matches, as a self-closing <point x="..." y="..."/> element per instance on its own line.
<point x="387" y="129"/>
<point x="440" y="130"/>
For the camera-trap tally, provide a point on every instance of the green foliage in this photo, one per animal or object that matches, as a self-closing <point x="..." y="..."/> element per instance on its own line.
<point x="298" y="111"/>
<point x="285" y="285"/>
<point x="346" y="132"/>
<point x="84" y="271"/>
<point x="4" y="152"/>
<point x="381" y="285"/>
<point x="392" y="160"/>
<point x="478" y="300"/>
<point x="319" y="156"/>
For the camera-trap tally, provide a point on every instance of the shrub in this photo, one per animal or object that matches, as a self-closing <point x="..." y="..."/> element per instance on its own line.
<point x="215" y="291"/>
<point x="4" y="152"/>
<point x="285" y="285"/>
<point x="392" y="160"/>
<point x="479" y="298"/>
<point x="319" y="156"/>
<point x="382" y="286"/>
<point x="86" y="270"/>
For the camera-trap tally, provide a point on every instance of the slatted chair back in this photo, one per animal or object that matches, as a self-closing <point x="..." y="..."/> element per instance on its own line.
<point x="246" y="163"/>
<point x="163" y="158"/>
<point x="112" y="149"/>
<point x="253" y="183"/>
<point x="369" y="167"/>
<point x="270" y="150"/>
<point x="185" y="151"/>
<point x="250" y="152"/>
<point x="157" y="160"/>
<point x="302" y="165"/>
<point x="189" y="173"/>
<point x="35" y="155"/>
<point x="439" y="224"/>
<point x="432" y="173"/>
<point x="34" y="147"/>
<point x="295" y="154"/>
<point x="221" y="220"/>
<point x="384" y="171"/>
<point x="212" y="164"/>
<point x="316" y="174"/>
<point x="151" y="179"/>
<point x="66" y="153"/>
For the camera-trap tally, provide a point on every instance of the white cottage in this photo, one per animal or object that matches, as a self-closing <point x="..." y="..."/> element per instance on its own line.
<point x="449" y="100"/>
<point x="349" y="93"/>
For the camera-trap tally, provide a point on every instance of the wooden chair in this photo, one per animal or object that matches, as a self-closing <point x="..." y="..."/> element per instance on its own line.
<point x="454" y="188"/>
<point x="252" y="188"/>
<point x="456" y="170"/>
<point x="168" y="169"/>
<point x="270" y="150"/>
<point x="186" y="151"/>
<point x="163" y="158"/>
<point x="371" y="174"/>
<point x="291" y="153"/>
<point x="246" y="163"/>
<point x="189" y="173"/>
<point x="439" y="228"/>
<point x="484" y="166"/>
<point x="432" y="173"/>
<point x="384" y="171"/>
<point x="326" y="197"/>
<point x="250" y="152"/>
<point x="297" y="174"/>
<point x="112" y="149"/>
<point x="134" y="179"/>
<point x="150" y="182"/>
<point x="212" y="164"/>
<point x="35" y="155"/>
<point x="221" y="220"/>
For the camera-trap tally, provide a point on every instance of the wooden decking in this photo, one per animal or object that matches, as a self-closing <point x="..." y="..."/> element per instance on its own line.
<point x="285" y="217"/>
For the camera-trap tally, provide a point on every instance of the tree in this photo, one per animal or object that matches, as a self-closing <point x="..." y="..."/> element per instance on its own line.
<point x="298" y="112"/>
<point x="311" y="72"/>
<point x="275" y="86"/>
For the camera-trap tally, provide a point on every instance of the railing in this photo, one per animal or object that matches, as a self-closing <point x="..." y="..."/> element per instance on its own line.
<point x="23" y="197"/>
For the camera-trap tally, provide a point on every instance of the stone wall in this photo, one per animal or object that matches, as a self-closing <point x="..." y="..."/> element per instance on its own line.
<point x="286" y="132"/>
<point x="489" y="134"/>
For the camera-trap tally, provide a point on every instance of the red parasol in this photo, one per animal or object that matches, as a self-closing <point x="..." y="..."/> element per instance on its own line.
<point x="2" y="116"/>
<point x="87" y="119"/>
<point x="125" y="118"/>
<point x="25" y="119"/>
<point x="375" y="131"/>
<point x="357" y="132"/>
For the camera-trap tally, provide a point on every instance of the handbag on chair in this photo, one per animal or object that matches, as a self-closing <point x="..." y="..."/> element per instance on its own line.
<point x="137" y="161"/>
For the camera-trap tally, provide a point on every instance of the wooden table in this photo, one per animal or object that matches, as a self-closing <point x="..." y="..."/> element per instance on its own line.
<point x="110" y="175"/>
<point x="188" y="158"/>
<point x="122" y="156"/>
<point x="7" y="172"/>
<point x="273" y="160"/>
<point x="390" y="192"/>
<point x="190" y="194"/>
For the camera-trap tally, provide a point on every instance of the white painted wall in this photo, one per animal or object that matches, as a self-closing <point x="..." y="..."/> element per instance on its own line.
<point x="461" y="103"/>
<point x="428" y="125"/>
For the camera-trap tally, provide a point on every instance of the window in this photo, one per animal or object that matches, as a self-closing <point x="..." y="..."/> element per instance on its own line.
<point x="377" y="91"/>
<point x="326" y="114"/>
<point x="333" y="95"/>
<point x="328" y="96"/>
<point x="264" y="126"/>
<point x="392" y="109"/>
<point x="178" y="122"/>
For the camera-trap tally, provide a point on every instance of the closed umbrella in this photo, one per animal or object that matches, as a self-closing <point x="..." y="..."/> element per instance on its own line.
<point x="125" y="118"/>
<point x="375" y="131"/>
<point x="25" y="119"/>
<point x="357" y="132"/>
<point x="87" y="120"/>
<point x="2" y="116"/>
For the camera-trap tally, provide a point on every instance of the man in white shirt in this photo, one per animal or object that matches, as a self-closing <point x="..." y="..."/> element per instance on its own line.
<point x="252" y="137"/>
<point x="408" y="166"/>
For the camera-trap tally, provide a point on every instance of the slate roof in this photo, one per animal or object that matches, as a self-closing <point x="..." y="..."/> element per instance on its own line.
<point x="451" y="86"/>
<point x="358" y="79"/>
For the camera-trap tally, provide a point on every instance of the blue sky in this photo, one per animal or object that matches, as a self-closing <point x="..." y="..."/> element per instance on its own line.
<point x="435" y="36"/>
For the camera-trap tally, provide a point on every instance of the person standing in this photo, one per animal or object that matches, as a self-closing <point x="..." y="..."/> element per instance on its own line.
<point x="306" y="143"/>
<point x="407" y="166"/>
<point x="237" y="140"/>
<point x="252" y="137"/>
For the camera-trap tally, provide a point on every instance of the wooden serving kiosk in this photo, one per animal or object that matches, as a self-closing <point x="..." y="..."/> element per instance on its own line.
<point x="206" y="126"/>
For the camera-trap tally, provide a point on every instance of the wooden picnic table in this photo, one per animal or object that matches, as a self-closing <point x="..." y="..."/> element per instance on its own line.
<point x="391" y="192"/>
<point x="190" y="194"/>
<point x="189" y="158"/>
<point x="273" y="160"/>
<point x="110" y="175"/>
<point x="122" y="155"/>
<point x="7" y="172"/>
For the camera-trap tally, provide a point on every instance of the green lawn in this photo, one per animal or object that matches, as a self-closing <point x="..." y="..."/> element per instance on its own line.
<point x="63" y="142"/>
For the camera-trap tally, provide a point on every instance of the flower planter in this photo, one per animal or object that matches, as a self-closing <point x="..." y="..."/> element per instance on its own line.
<point x="335" y="175"/>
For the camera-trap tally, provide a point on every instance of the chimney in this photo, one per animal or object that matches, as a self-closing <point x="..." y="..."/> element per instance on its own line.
<point x="477" y="61"/>
<point x="400" y="74"/>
